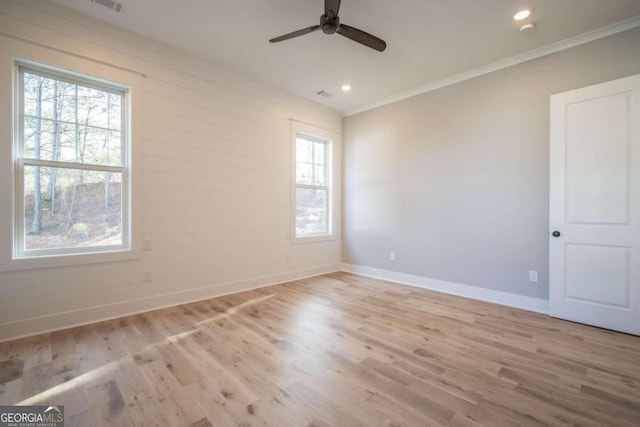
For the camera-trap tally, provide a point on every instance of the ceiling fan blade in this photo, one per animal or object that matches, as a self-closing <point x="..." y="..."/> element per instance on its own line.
<point x="362" y="37"/>
<point x="331" y="5"/>
<point x="298" y="33"/>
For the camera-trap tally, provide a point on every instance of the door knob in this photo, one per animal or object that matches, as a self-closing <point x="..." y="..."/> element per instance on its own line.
<point x="556" y="234"/>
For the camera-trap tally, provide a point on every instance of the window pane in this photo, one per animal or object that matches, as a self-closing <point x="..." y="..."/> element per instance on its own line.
<point x="32" y="89"/>
<point x="38" y="138"/>
<point x="93" y="107"/>
<point x="311" y="211"/>
<point x="319" y="176"/>
<point x="311" y="166"/>
<point x="39" y="96"/>
<point x="303" y="150"/>
<point x="67" y="147"/>
<point x="115" y="112"/>
<point x="319" y="153"/>
<point x="98" y="146"/>
<point x="303" y="173"/>
<point x="71" y="123"/>
<point x="71" y="208"/>
<point x="66" y="99"/>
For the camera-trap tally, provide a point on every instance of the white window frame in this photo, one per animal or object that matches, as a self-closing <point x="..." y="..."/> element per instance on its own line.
<point x="19" y="251"/>
<point x="298" y="128"/>
<point x="17" y="53"/>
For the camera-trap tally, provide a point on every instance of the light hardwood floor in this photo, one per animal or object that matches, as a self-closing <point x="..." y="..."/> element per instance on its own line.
<point x="334" y="350"/>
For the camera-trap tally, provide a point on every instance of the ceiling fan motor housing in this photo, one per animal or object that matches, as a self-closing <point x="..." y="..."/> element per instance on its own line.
<point x="329" y="25"/>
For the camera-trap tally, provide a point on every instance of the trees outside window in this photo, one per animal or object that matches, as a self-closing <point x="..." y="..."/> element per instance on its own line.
<point x="72" y="164"/>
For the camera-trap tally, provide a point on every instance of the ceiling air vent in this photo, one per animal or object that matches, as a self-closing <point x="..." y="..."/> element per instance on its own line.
<point x="325" y="94"/>
<point x="111" y="4"/>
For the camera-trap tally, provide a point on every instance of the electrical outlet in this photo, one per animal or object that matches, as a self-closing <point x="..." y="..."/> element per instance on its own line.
<point x="392" y="256"/>
<point x="147" y="276"/>
<point x="533" y="276"/>
<point x="147" y="245"/>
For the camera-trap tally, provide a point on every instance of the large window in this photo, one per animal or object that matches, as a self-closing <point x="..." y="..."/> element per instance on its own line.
<point x="313" y="185"/>
<point x="72" y="165"/>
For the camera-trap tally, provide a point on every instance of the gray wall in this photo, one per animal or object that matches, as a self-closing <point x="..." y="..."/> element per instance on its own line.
<point x="455" y="181"/>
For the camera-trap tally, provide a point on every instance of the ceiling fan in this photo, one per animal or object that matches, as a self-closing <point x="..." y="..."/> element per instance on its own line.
<point x="330" y="23"/>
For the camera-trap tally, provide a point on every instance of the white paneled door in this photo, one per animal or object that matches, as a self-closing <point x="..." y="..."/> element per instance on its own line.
<point x="594" y="237"/>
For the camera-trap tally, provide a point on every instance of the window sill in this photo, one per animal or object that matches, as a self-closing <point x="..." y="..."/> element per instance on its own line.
<point x="314" y="239"/>
<point x="53" y="261"/>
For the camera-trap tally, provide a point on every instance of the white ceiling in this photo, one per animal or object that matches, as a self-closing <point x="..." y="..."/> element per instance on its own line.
<point x="427" y="40"/>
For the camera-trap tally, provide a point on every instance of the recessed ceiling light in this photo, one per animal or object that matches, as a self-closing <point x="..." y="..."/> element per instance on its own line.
<point x="346" y="87"/>
<point x="526" y="28"/>
<point x="522" y="15"/>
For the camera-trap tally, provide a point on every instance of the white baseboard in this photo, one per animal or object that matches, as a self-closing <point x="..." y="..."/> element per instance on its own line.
<point x="503" y="298"/>
<point x="53" y="322"/>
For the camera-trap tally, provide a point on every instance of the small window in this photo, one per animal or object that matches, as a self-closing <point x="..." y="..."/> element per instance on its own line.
<point x="72" y="164"/>
<point x="313" y="185"/>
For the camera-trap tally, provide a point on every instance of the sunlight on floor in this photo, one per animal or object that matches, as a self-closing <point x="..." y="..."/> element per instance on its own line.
<point x="103" y="371"/>
<point x="235" y="309"/>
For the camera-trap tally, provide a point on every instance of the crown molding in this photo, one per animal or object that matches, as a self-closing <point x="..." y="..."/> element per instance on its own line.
<point x="505" y="63"/>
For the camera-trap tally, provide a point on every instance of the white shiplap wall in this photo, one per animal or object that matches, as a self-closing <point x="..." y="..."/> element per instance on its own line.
<point x="215" y="183"/>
